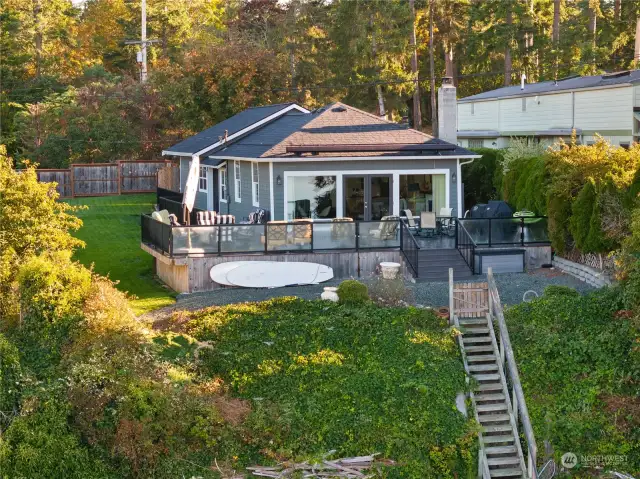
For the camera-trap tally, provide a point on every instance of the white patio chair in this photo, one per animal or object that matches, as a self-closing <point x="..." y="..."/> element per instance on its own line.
<point x="413" y="226"/>
<point x="446" y="222"/>
<point x="428" y="223"/>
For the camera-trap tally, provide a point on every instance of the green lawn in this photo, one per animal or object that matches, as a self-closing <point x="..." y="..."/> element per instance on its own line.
<point x="355" y="379"/>
<point x="112" y="232"/>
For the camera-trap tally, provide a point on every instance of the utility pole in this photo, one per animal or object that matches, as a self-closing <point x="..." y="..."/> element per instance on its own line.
<point x="143" y="42"/>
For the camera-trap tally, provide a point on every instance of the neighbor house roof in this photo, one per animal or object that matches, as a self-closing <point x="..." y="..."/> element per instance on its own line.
<point x="570" y="83"/>
<point x="233" y="125"/>
<point x="336" y="124"/>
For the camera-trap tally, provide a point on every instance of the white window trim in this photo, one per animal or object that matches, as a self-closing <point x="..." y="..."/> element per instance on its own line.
<point x="237" y="181"/>
<point x="222" y="179"/>
<point x="395" y="191"/>
<point x="200" y="178"/>
<point x="255" y="182"/>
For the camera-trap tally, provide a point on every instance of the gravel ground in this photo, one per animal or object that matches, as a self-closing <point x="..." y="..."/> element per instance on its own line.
<point x="512" y="286"/>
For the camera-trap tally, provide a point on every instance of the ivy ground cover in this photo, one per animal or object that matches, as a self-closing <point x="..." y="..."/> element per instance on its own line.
<point x="356" y="379"/>
<point x="579" y="361"/>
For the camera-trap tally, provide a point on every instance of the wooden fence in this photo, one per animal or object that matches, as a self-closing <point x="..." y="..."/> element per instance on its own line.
<point x="101" y="179"/>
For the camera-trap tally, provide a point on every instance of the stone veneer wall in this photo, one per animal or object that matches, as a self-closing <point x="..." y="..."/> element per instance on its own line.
<point x="592" y="276"/>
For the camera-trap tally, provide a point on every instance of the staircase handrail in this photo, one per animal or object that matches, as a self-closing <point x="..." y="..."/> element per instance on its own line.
<point x="506" y="354"/>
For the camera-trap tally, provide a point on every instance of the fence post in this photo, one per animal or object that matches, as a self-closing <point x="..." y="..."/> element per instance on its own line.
<point x="72" y="180"/>
<point x="522" y="231"/>
<point x="357" y="236"/>
<point x="311" y="224"/>
<point x="119" y="176"/>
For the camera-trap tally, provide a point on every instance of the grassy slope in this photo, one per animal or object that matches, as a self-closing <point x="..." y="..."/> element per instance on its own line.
<point x="355" y="379"/>
<point x="112" y="232"/>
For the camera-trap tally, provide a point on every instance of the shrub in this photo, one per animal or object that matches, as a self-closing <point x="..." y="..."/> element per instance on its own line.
<point x="390" y="292"/>
<point x="353" y="292"/>
<point x="581" y="213"/>
<point x="10" y="377"/>
<point x="558" y="290"/>
<point x="483" y="178"/>
<point x="40" y="444"/>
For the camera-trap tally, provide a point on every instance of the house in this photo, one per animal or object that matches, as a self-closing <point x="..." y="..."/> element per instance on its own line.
<point x="608" y="105"/>
<point x="340" y="187"/>
<point x="336" y="161"/>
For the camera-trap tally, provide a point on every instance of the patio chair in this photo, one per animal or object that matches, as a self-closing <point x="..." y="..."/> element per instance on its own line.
<point x="387" y="229"/>
<point x="447" y="223"/>
<point x="162" y="216"/>
<point x="302" y="231"/>
<point x="342" y="228"/>
<point x="413" y="226"/>
<point x="428" y="225"/>
<point x="276" y="234"/>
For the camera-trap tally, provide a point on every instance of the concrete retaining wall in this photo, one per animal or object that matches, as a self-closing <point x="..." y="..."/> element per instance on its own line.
<point x="592" y="276"/>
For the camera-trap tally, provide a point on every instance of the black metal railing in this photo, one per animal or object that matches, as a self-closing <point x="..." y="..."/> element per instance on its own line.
<point x="170" y="194"/>
<point x="466" y="245"/>
<point x="409" y="247"/>
<point x="272" y="237"/>
<point x="507" y="231"/>
<point x="156" y="233"/>
<point x="175" y="207"/>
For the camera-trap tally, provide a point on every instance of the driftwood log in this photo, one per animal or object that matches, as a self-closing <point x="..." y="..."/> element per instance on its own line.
<point x="346" y="468"/>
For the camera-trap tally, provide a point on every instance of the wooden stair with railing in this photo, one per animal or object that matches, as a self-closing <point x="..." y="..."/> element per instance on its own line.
<point x="488" y="359"/>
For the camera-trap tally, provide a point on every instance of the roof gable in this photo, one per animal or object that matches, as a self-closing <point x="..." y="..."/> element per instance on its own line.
<point x="234" y="125"/>
<point x="342" y="124"/>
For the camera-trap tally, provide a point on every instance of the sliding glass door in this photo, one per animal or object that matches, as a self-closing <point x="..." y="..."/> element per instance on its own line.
<point x="420" y="193"/>
<point x="367" y="197"/>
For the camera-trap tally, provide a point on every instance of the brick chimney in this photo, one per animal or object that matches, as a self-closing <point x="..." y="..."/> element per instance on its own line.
<point x="448" y="111"/>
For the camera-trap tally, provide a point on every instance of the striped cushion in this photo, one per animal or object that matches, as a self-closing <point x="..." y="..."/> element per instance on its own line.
<point x="224" y="220"/>
<point x="206" y="217"/>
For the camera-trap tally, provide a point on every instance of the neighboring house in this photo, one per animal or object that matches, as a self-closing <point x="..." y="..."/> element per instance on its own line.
<point x="336" y="161"/>
<point x="608" y="105"/>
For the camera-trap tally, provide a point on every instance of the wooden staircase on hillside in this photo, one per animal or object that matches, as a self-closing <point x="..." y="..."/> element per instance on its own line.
<point x="488" y="359"/>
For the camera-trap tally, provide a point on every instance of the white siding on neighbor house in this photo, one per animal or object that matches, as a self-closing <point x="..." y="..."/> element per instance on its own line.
<point x="636" y="91"/>
<point x="604" y="109"/>
<point x="484" y="117"/>
<point x="542" y="113"/>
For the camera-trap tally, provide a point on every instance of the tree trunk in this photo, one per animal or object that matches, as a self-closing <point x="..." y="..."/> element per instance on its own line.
<point x="555" y="34"/>
<point x="507" y="49"/>
<point x="432" y="74"/>
<point x="37" y="21"/>
<point x="374" y="52"/>
<point x="417" y="117"/>
<point x="593" y="15"/>
<point x="617" y="8"/>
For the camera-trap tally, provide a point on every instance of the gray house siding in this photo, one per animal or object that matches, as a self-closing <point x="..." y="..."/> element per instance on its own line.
<point x="369" y="166"/>
<point x="201" y="197"/>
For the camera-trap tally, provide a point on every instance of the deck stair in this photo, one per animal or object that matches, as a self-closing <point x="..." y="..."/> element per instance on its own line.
<point x="487" y="357"/>
<point x="434" y="264"/>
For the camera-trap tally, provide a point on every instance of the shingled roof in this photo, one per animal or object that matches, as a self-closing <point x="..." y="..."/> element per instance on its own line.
<point x="334" y="124"/>
<point x="570" y="83"/>
<point x="232" y="125"/>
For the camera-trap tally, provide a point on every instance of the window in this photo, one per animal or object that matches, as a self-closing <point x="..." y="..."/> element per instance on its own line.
<point x="222" y="183"/>
<point x="524" y="104"/>
<point x="311" y="197"/>
<point x="473" y="108"/>
<point x="476" y="143"/>
<point x="255" y="184"/>
<point x="237" y="193"/>
<point x="420" y="193"/>
<point x="202" y="179"/>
